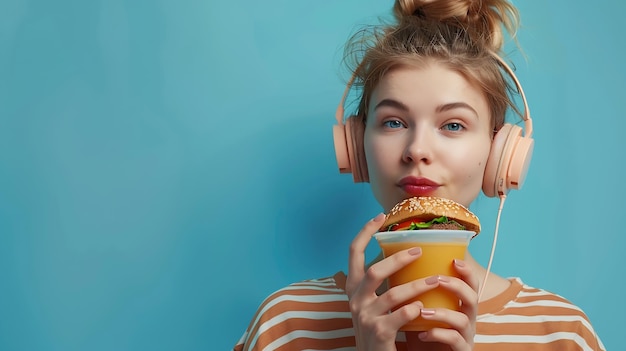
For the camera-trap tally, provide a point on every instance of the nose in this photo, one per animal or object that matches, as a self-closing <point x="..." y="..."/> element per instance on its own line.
<point x="418" y="148"/>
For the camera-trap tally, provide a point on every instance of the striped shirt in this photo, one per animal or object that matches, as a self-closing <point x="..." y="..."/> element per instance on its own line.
<point x="314" y="315"/>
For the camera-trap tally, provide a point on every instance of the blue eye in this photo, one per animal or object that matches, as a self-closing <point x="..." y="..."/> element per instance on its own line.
<point x="453" y="127"/>
<point x="393" y="124"/>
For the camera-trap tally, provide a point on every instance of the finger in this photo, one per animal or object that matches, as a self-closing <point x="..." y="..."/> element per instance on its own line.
<point x="403" y="315"/>
<point x="397" y="295"/>
<point x="465" y="293"/>
<point x="464" y="320"/>
<point x="449" y="337"/>
<point x="469" y="302"/>
<point x="466" y="274"/>
<point x="458" y="322"/>
<point x="468" y="292"/>
<point x="356" y="260"/>
<point x="414" y="342"/>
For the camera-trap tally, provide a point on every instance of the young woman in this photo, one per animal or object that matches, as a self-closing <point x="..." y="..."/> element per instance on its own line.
<point x="434" y="95"/>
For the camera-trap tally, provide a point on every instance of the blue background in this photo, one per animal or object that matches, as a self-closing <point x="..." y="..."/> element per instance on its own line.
<point x="165" y="165"/>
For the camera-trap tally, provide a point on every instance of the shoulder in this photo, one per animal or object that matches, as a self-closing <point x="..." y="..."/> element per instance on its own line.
<point x="314" y="306"/>
<point x="541" y="301"/>
<point x="540" y="316"/>
<point x="307" y="291"/>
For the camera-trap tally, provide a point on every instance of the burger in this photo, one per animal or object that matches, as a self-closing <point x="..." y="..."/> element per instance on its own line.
<point x="430" y="212"/>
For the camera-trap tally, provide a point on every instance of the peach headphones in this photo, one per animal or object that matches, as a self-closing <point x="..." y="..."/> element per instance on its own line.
<point x="506" y="167"/>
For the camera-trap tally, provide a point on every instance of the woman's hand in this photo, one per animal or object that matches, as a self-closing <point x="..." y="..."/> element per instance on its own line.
<point x="376" y="328"/>
<point x="460" y="337"/>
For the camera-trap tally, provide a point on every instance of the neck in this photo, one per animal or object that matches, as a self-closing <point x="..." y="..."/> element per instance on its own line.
<point x="495" y="283"/>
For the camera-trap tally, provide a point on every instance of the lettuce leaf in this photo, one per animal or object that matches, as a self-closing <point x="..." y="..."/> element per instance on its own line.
<point x="425" y="225"/>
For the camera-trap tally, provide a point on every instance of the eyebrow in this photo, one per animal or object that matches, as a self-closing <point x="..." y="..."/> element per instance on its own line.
<point x="392" y="103"/>
<point x="441" y="108"/>
<point x="454" y="105"/>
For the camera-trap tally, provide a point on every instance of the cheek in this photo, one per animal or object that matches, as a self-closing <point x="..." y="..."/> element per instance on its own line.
<point x="477" y="166"/>
<point x="372" y="156"/>
<point x="369" y="153"/>
<point x="478" y="171"/>
<point x="373" y="168"/>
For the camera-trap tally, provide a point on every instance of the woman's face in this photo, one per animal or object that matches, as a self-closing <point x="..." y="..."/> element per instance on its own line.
<point x="427" y="134"/>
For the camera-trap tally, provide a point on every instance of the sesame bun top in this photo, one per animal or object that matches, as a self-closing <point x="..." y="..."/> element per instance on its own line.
<point x="426" y="208"/>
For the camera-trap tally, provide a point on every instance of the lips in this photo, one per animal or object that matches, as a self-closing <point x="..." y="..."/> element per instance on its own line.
<point x="418" y="186"/>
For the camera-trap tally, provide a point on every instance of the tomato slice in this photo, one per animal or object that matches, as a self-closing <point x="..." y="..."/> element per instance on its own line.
<point x="403" y="225"/>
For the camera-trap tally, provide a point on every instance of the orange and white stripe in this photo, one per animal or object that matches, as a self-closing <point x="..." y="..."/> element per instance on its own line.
<point x="314" y="315"/>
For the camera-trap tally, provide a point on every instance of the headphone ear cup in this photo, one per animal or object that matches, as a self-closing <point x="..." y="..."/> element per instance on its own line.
<point x="341" y="148"/>
<point x="520" y="162"/>
<point x="355" y="131"/>
<point x="508" y="161"/>
<point x="493" y="167"/>
<point x="349" y="150"/>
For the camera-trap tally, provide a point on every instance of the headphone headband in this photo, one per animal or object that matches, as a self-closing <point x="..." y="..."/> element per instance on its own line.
<point x="528" y="123"/>
<point x="339" y="113"/>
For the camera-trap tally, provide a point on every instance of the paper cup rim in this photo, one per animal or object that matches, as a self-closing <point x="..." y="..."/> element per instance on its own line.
<point x="425" y="235"/>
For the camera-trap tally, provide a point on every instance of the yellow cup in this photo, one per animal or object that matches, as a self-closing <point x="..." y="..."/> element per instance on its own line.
<point x="439" y="249"/>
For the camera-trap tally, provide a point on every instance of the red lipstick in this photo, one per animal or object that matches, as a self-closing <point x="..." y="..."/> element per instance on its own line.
<point x="418" y="186"/>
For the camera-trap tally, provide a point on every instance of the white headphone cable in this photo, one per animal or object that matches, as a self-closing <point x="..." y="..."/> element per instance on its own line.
<point x="493" y="246"/>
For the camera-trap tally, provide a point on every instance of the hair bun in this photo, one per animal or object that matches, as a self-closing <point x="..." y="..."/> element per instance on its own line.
<point x="484" y="19"/>
<point x="434" y="9"/>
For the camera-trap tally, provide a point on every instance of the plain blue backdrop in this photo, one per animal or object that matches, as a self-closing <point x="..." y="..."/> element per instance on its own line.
<point x="165" y="165"/>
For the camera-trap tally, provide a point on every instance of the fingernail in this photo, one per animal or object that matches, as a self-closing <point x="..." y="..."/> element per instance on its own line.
<point x="415" y="251"/>
<point x="443" y="278"/>
<point x="422" y="335"/>
<point x="459" y="263"/>
<point x="427" y="312"/>
<point x="379" y="217"/>
<point x="432" y="280"/>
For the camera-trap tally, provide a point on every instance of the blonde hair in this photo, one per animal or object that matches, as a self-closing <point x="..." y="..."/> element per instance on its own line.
<point x="463" y="35"/>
